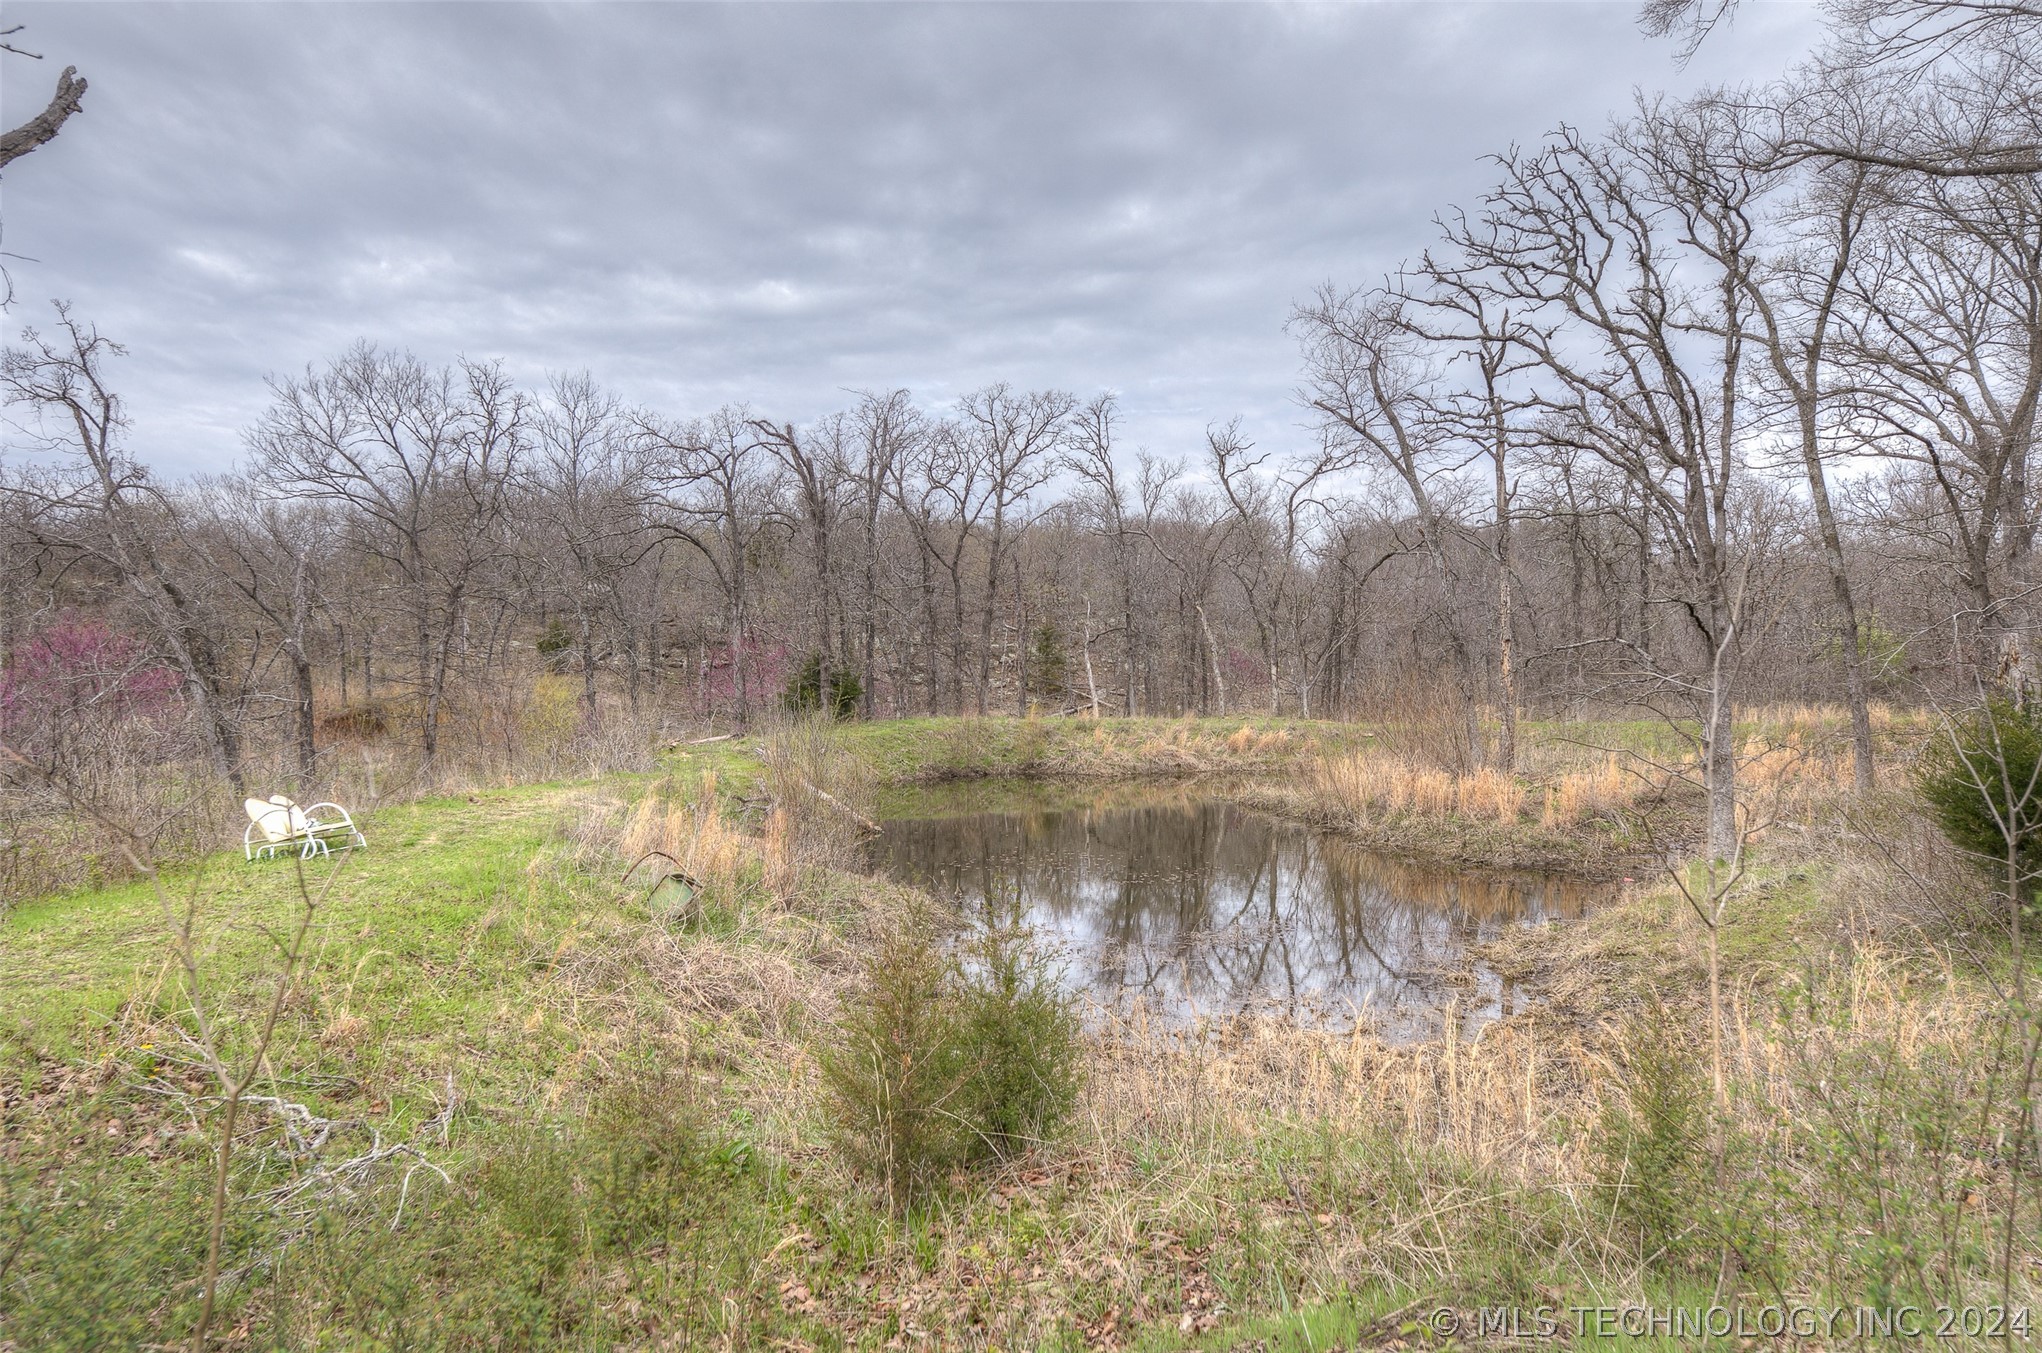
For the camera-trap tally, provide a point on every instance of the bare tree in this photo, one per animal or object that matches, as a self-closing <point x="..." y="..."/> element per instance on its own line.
<point x="420" y="461"/>
<point x="271" y="552"/>
<point x="584" y="481"/>
<point x="1794" y="296"/>
<point x="888" y="427"/>
<point x="1009" y="441"/>
<point x="1483" y="411"/>
<point x="1374" y="379"/>
<point x="1623" y="257"/>
<point x="112" y="512"/>
<point x="1190" y="537"/>
<point x="1939" y="336"/>
<point x="816" y="462"/>
<point x="1956" y="82"/>
<point x="1091" y="454"/>
<point x="712" y="483"/>
<point x="1275" y="516"/>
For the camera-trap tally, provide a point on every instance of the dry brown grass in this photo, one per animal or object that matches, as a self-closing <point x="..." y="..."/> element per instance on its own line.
<point x="1509" y="1096"/>
<point x="1814" y="717"/>
<point x="1573" y="797"/>
<point x="1795" y="763"/>
<point x="1872" y="1039"/>
<point x="690" y="831"/>
<point x="1789" y="772"/>
<point x="1367" y="783"/>
<point x="1154" y="747"/>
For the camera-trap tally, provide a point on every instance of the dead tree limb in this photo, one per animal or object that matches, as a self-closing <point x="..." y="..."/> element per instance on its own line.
<point x="44" y="126"/>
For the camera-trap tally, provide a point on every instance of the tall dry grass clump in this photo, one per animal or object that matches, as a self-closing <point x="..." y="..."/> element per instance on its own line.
<point x="1792" y="771"/>
<point x="1490" y="793"/>
<point x="823" y="797"/>
<point x="1366" y="783"/>
<point x="1864" y="1089"/>
<point x="690" y="831"/>
<point x="1574" y="797"/>
<point x="1513" y="1095"/>
<point x="1398" y="1165"/>
<point x="1813" y="719"/>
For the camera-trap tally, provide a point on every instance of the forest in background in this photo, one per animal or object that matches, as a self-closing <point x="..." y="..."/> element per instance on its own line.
<point x="1730" y="401"/>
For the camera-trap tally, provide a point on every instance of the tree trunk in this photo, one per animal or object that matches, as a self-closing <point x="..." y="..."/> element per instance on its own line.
<point x="1091" y="682"/>
<point x="308" y="750"/>
<point x="869" y="624"/>
<point x="429" y="739"/>
<point x="985" y="626"/>
<point x="1127" y="636"/>
<point x="1020" y="643"/>
<point x="1219" y="682"/>
<point x="630" y="639"/>
<point x="585" y="642"/>
<point x="1506" y="672"/>
<point x="1719" y="772"/>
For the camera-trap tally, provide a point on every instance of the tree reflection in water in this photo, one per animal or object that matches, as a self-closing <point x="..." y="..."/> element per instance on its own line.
<point x="1189" y="908"/>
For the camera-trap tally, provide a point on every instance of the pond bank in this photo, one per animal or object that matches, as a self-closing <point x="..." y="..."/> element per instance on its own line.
<point x="1281" y="767"/>
<point x="1599" y="849"/>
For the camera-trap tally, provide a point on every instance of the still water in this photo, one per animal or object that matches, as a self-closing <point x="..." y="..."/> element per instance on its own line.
<point x="1185" y="906"/>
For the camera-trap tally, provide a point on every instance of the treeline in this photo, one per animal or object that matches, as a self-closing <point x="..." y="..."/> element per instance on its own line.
<point x="1734" y="400"/>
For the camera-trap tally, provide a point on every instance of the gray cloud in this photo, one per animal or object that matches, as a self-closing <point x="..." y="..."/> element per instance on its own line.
<point x="776" y="202"/>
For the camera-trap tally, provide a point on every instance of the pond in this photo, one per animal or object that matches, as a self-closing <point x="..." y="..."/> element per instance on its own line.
<point x="1177" y="904"/>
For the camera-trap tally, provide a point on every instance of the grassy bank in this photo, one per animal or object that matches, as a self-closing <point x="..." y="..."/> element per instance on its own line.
<point x="516" y="1101"/>
<point x="1341" y="777"/>
<point x="1598" y="797"/>
<point x="902" y="752"/>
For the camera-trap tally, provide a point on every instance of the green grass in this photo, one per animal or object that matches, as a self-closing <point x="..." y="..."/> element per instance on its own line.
<point x="428" y="933"/>
<point x="435" y="928"/>
<point x="927" y="750"/>
<point x="622" y="1170"/>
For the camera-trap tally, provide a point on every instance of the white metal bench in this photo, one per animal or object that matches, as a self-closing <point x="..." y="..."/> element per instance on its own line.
<point x="276" y="824"/>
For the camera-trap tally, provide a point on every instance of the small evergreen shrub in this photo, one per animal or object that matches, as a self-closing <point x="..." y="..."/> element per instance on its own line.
<point x="1982" y="780"/>
<point x="804" y="694"/>
<point x="895" y="1072"/>
<point x="1652" y="1146"/>
<point x="1021" y="1038"/>
<point x="949" y="1058"/>
<point x="554" y="645"/>
<point x="1048" y="664"/>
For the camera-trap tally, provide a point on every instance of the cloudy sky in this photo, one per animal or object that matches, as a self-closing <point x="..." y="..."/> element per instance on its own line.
<point x="776" y="203"/>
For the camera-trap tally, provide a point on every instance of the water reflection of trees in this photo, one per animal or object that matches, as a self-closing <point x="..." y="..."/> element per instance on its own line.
<point x="1207" y="907"/>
